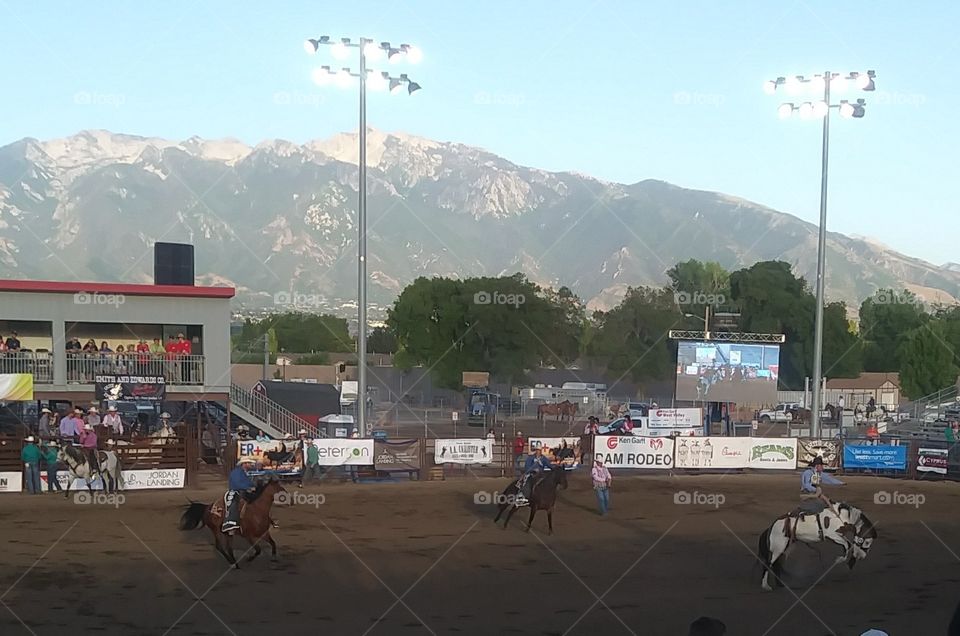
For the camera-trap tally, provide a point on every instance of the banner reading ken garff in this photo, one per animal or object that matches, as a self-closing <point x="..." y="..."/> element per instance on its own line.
<point x="399" y="455"/>
<point x="463" y="451"/>
<point x="129" y="387"/>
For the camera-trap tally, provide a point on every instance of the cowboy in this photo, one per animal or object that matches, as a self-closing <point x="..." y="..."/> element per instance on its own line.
<point x="238" y="483"/>
<point x="43" y="427"/>
<point x="93" y="417"/>
<point x="50" y="452"/>
<point x="112" y="421"/>
<point x="601" y="484"/>
<point x="311" y="464"/>
<point x="593" y="425"/>
<point x="71" y="426"/>
<point x="88" y="442"/>
<point x="811" y="495"/>
<point x="534" y="465"/>
<point x="30" y="455"/>
<point x="111" y="485"/>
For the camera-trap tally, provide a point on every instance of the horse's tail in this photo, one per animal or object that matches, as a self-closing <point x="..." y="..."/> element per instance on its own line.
<point x="192" y="516"/>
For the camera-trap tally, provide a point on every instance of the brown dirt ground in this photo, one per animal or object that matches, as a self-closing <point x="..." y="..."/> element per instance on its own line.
<point x="656" y="565"/>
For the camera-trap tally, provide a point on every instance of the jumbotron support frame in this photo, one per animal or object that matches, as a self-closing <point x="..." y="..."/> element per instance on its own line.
<point x="728" y="336"/>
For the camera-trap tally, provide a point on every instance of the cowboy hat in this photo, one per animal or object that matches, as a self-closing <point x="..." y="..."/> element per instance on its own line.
<point x="303" y="431"/>
<point x="78" y="410"/>
<point x="87" y="427"/>
<point x="112" y="409"/>
<point x="110" y="442"/>
<point x="817" y="461"/>
<point x="29" y="439"/>
<point x="92" y="409"/>
<point x="164" y="416"/>
<point x="45" y="410"/>
<point x="245" y="460"/>
<point x="874" y="632"/>
<point x="287" y="436"/>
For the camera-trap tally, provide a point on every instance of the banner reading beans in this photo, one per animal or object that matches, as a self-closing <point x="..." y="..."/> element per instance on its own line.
<point x="737" y="452"/>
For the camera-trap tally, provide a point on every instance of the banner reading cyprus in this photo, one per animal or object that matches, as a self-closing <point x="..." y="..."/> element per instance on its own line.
<point x="16" y="387"/>
<point x="737" y="452"/>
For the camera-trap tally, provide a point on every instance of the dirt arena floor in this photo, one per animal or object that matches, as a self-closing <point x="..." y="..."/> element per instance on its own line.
<point x="423" y="558"/>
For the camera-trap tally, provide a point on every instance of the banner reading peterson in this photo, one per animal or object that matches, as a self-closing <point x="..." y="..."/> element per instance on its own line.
<point x="737" y="452"/>
<point x="344" y="452"/>
<point x="398" y="455"/>
<point x="463" y="451"/>
<point x="129" y="387"/>
<point x="634" y="451"/>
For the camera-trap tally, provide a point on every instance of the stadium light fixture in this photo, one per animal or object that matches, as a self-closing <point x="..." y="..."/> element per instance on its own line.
<point x="828" y="82"/>
<point x="377" y="81"/>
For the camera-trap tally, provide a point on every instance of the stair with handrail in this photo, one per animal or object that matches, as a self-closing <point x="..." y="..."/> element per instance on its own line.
<point x="267" y="415"/>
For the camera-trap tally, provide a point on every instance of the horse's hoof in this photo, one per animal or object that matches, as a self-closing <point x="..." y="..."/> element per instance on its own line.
<point x="766" y="588"/>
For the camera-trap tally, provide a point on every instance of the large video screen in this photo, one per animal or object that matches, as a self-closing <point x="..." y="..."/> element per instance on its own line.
<point x="727" y="372"/>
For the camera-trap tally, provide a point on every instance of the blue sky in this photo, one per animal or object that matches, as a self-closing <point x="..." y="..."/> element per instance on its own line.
<point x="624" y="91"/>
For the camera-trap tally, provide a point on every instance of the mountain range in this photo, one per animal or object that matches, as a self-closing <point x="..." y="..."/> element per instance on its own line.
<point x="278" y="221"/>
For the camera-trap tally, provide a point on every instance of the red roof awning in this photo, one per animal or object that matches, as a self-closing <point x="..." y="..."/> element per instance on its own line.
<point x="126" y="289"/>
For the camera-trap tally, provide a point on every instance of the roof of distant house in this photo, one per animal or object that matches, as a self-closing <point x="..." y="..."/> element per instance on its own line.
<point x="866" y="381"/>
<point x="125" y="289"/>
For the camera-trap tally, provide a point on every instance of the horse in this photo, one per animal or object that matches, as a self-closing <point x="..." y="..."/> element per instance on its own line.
<point x="79" y="468"/>
<point x="842" y="524"/>
<point x="568" y="410"/>
<point x="548" y="409"/>
<point x="615" y="410"/>
<point x="543" y="496"/>
<point x="254" y="521"/>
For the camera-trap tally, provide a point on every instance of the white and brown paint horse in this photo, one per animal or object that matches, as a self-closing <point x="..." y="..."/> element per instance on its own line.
<point x="841" y="523"/>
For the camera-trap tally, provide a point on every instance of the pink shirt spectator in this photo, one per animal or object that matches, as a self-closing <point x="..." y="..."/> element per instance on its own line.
<point x="88" y="439"/>
<point x="600" y="475"/>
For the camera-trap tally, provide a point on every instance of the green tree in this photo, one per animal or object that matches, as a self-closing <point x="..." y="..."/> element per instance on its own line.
<point x="503" y="325"/>
<point x="885" y="319"/>
<point x="928" y="362"/>
<point x="632" y="337"/>
<point x="381" y="340"/>
<point x="298" y="333"/>
<point x="698" y="285"/>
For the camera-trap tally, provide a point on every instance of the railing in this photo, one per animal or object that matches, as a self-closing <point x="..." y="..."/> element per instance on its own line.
<point x="82" y="368"/>
<point x="39" y="363"/>
<point x="270" y="413"/>
<point x="933" y="406"/>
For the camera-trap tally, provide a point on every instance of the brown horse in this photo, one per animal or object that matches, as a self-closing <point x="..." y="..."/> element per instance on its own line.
<point x="254" y="521"/>
<point x="568" y="409"/>
<point x="615" y="410"/>
<point x="548" y="409"/>
<point x="543" y="496"/>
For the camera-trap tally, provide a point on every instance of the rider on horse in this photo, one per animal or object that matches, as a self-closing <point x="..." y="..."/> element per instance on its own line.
<point x="88" y="442"/>
<point x="811" y="495"/>
<point x="238" y="482"/>
<point x="535" y="465"/>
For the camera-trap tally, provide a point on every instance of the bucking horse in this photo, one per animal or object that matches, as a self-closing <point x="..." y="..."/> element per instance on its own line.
<point x="543" y="496"/>
<point x="840" y="523"/>
<point x="109" y="472"/>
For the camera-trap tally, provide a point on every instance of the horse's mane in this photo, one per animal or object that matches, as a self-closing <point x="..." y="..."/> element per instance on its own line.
<point x="73" y="453"/>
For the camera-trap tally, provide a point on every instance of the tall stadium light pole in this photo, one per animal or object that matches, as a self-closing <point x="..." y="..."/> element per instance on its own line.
<point x="324" y="75"/>
<point x="808" y="110"/>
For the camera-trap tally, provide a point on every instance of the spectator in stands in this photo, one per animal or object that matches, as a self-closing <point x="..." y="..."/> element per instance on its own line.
<point x="3" y="344"/>
<point x="171" y="349"/>
<point x="262" y="437"/>
<point x="491" y="434"/>
<point x="143" y="356"/>
<point x="30" y="455"/>
<point x="71" y="425"/>
<point x="105" y="348"/>
<point x="13" y="343"/>
<point x="113" y="422"/>
<point x="311" y="464"/>
<point x="43" y="426"/>
<point x="91" y="346"/>
<point x="49" y="453"/>
<point x="185" y="348"/>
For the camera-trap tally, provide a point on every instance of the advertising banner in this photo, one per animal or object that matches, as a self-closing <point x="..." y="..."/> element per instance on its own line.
<point x="826" y="449"/>
<point x="737" y="452"/>
<point x="880" y="456"/>
<point x="932" y="460"/>
<point x="275" y="455"/>
<point x="634" y="452"/>
<point x="554" y="450"/>
<point x="344" y="452"/>
<point x="129" y="387"/>
<point x="463" y="451"/>
<point x="675" y="418"/>
<point x="16" y="387"/>
<point x="11" y="481"/>
<point x="397" y="455"/>
<point x="149" y="479"/>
